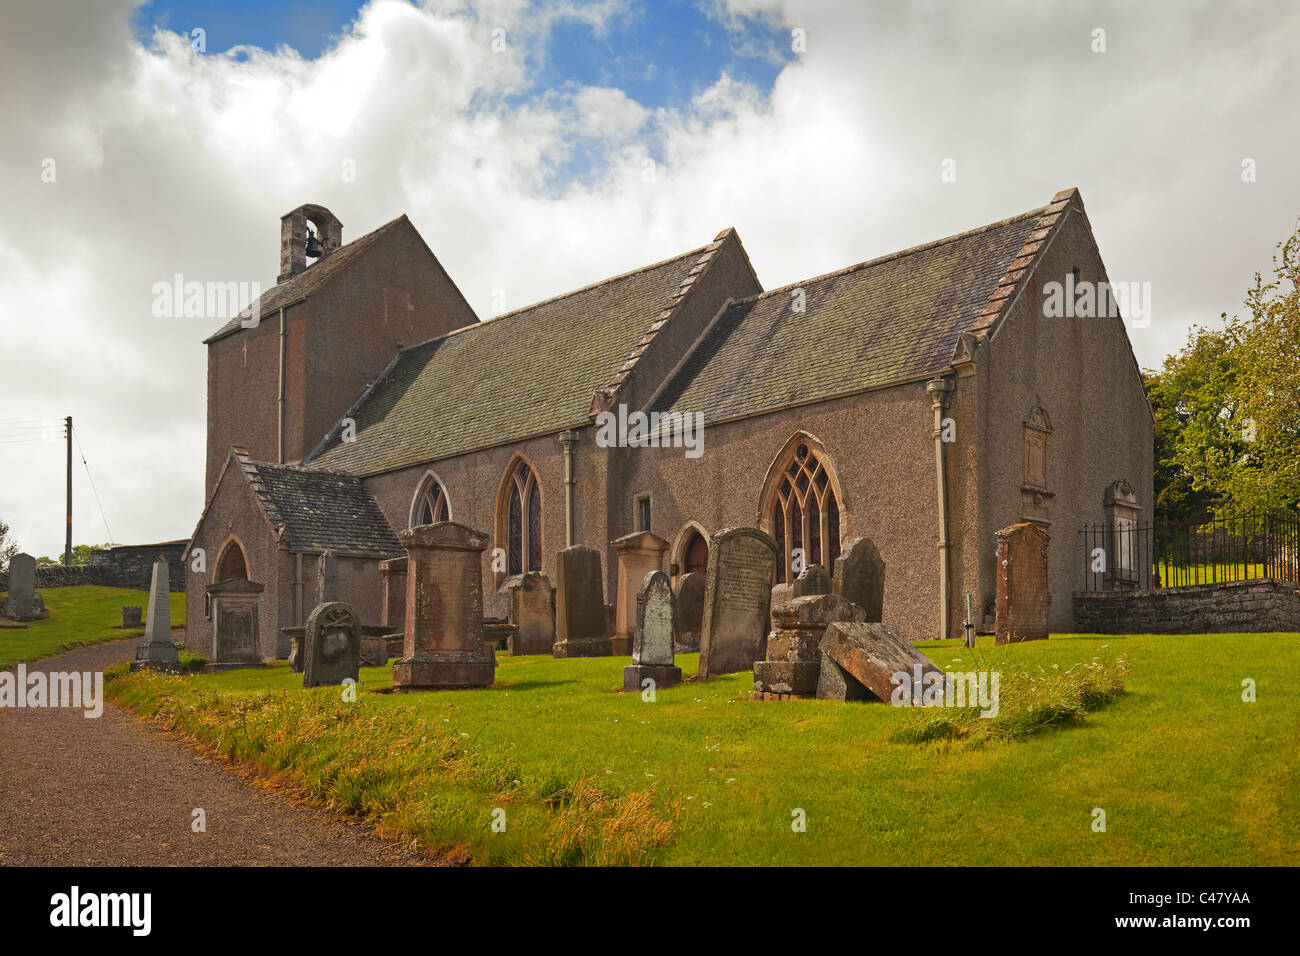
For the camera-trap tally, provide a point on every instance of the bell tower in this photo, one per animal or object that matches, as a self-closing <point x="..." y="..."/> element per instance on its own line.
<point x="310" y="231"/>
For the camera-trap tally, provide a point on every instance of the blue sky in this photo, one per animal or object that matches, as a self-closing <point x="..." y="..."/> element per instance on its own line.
<point x="659" y="53"/>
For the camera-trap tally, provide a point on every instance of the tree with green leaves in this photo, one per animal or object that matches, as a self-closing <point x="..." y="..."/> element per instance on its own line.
<point x="8" y="547"/>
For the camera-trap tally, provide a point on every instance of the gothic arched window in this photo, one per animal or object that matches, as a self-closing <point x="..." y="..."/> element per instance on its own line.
<point x="522" y="520"/>
<point x="430" y="504"/>
<point x="803" y="511"/>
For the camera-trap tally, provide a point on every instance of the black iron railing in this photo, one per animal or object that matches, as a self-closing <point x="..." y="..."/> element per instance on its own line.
<point x="1145" y="555"/>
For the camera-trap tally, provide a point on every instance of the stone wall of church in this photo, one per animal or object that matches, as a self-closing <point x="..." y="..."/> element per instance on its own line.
<point x="880" y="445"/>
<point x="1081" y="371"/>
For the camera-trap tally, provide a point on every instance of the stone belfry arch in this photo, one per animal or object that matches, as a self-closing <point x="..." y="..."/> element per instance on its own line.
<point x="294" y="233"/>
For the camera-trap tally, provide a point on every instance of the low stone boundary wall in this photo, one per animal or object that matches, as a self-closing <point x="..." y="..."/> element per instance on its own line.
<point x="126" y="566"/>
<point x="1254" y="606"/>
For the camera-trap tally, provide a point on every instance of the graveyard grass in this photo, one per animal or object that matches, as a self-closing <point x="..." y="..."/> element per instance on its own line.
<point x="1185" y="770"/>
<point x="79" y="617"/>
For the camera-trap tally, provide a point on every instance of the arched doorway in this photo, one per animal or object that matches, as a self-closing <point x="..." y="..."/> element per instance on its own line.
<point x="695" y="556"/>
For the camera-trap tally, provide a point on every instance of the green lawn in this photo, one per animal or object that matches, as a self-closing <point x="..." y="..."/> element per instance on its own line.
<point x="79" y="616"/>
<point x="1186" y="772"/>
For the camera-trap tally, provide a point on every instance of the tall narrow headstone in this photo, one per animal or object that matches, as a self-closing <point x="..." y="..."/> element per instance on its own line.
<point x="444" y="645"/>
<point x="1022" y="598"/>
<point x="636" y="555"/>
<point x="814" y="579"/>
<point x="327" y="577"/>
<point x="737" y="601"/>
<point x="331" y="645"/>
<point x="652" y="645"/>
<point x="580" y="626"/>
<point x="532" y="611"/>
<point x="860" y="577"/>
<point x="690" y="611"/>
<point x="157" y="652"/>
<point x="22" y="602"/>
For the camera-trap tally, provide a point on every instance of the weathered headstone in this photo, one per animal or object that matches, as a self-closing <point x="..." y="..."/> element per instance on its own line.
<point x="813" y="580"/>
<point x="132" y="616"/>
<point x="860" y="577"/>
<point x="444" y="645"/>
<point x="690" y="612"/>
<point x="636" y="555"/>
<point x="793" y="648"/>
<point x="156" y="651"/>
<point x="580" y="626"/>
<point x="737" y="601"/>
<point x="374" y="650"/>
<point x="235" y="628"/>
<point x="652" y="645"/>
<point x="866" y="655"/>
<point x="782" y="593"/>
<point x="1022" y="598"/>
<point x="331" y="645"/>
<point x="22" y="602"/>
<point x="327" y="577"/>
<point x="532" y="611"/>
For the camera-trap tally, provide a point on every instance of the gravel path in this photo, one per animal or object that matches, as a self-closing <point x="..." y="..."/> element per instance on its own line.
<point x="117" y="791"/>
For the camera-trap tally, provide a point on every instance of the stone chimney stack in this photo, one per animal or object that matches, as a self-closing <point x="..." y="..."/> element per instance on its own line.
<point x="293" y="237"/>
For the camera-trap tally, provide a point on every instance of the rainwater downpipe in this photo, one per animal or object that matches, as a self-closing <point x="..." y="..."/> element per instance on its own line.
<point x="940" y="390"/>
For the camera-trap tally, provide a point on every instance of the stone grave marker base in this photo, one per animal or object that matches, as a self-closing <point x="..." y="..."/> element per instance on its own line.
<point x="664" y="675"/>
<point x="444" y="670"/>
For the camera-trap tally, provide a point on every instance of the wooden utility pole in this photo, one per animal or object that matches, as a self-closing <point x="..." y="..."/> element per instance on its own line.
<point x="67" y="544"/>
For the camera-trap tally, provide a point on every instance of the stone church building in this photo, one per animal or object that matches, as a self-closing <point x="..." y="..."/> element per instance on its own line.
<point x="923" y="399"/>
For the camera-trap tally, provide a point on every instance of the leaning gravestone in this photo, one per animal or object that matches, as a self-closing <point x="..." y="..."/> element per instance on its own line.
<point x="860" y="577"/>
<point x="331" y="645"/>
<point x="737" y="601"/>
<point x="652" y="642"/>
<point x="580" y="621"/>
<point x="813" y="580"/>
<point x="690" y="612"/>
<point x="157" y="652"/>
<point x="22" y="602"/>
<point x="859" y="662"/>
<point x="532" y="611"/>
<point x="444" y="646"/>
<point x="793" y="662"/>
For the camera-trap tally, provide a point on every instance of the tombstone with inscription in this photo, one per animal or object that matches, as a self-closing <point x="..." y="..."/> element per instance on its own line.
<point x="532" y="611"/>
<point x="22" y="603"/>
<point x="132" y="616"/>
<point x="737" y="601"/>
<point x="1021" y="572"/>
<point x="690" y="612"/>
<point x="793" y="648"/>
<point x="156" y="651"/>
<point x="331" y="645"/>
<point x="444" y="645"/>
<point x="860" y="577"/>
<point x="652" y="645"/>
<point x="636" y="555"/>
<point x="580" y="626"/>
<point x="235" y="629"/>
<point x="814" y="579"/>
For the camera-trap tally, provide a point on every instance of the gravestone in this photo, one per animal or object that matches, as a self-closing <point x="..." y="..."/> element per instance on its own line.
<point x="132" y="616"/>
<point x="860" y="660"/>
<point x="782" y="593"/>
<point x="374" y="649"/>
<point x="235" y="628"/>
<point x="860" y="577"/>
<point x="1022" y="598"/>
<point x="636" y="555"/>
<point x="22" y="602"/>
<point x="737" y="601"/>
<point x="532" y="611"/>
<point x="392" y="613"/>
<point x="331" y="645"/>
<point x="327" y="577"/>
<point x="793" y="648"/>
<point x="652" y="645"/>
<point x="156" y="651"/>
<point x="580" y="626"/>
<point x="813" y="580"/>
<point x="690" y="612"/>
<point x="444" y="645"/>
